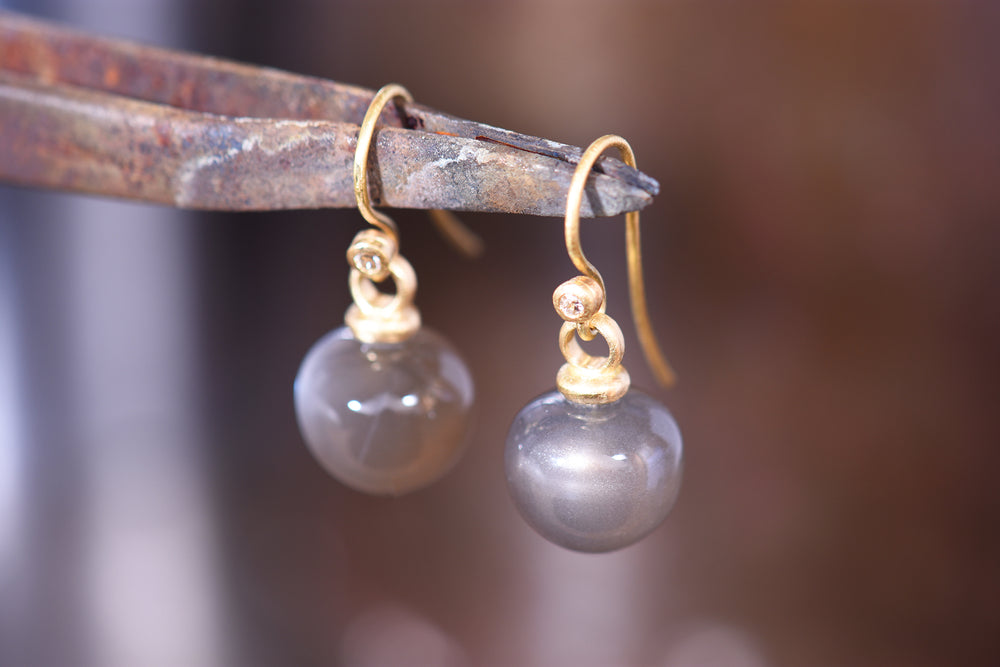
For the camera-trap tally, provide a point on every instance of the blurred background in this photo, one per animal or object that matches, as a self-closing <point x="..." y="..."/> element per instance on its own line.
<point x="823" y="264"/>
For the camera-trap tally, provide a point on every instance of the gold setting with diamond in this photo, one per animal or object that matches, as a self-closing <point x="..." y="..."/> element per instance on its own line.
<point x="371" y="252"/>
<point x="578" y="299"/>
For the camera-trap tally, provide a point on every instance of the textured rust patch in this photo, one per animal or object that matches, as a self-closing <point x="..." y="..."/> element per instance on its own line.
<point x="84" y="113"/>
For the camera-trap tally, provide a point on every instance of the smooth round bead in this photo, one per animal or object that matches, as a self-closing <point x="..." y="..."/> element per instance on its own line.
<point x="384" y="418"/>
<point x="594" y="477"/>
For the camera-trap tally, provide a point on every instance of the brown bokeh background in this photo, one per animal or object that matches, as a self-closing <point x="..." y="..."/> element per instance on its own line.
<point x="823" y="263"/>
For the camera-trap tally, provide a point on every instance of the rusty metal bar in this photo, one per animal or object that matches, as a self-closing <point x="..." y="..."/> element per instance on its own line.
<point x="88" y="114"/>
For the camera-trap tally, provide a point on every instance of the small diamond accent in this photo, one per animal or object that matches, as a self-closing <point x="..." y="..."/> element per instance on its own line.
<point x="571" y="306"/>
<point x="367" y="263"/>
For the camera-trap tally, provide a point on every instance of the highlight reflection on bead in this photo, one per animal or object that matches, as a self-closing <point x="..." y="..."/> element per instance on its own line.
<point x="384" y="418"/>
<point x="594" y="477"/>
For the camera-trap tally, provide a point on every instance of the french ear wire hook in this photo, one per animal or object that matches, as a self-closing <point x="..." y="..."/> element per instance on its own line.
<point x="637" y="290"/>
<point x="448" y="225"/>
<point x="382" y="97"/>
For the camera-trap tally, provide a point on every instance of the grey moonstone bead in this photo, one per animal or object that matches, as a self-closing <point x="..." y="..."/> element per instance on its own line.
<point x="594" y="478"/>
<point x="384" y="418"/>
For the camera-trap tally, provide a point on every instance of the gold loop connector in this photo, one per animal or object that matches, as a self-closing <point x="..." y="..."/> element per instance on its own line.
<point x="384" y="318"/>
<point x="588" y="379"/>
<point x="605" y="325"/>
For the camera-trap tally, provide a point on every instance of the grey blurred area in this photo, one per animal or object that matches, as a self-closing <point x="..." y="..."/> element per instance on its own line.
<point x="823" y="264"/>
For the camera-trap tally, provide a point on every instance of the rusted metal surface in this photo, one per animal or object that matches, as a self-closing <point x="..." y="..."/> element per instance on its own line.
<point x="88" y="114"/>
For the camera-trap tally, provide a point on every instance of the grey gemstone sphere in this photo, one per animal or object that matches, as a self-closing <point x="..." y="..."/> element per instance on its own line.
<point x="384" y="418"/>
<point x="594" y="478"/>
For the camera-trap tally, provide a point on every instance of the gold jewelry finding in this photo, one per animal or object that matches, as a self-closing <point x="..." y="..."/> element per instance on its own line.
<point x="582" y="302"/>
<point x="374" y="253"/>
<point x="382" y="97"/>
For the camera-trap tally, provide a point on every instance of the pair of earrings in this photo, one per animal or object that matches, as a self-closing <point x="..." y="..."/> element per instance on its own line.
<point x="384" y="404"/>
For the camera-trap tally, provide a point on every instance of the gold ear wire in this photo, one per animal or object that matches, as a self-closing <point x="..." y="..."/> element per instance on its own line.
<point x="637" y="292"/>
<point x="382" y="97"/>
<point x="461" y="238"/>
<point x="448" y="225"/>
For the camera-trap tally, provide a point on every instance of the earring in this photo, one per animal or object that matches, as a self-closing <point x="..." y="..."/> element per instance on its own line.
<point x="383" y="403"/>
<point x="596" y="466"/>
